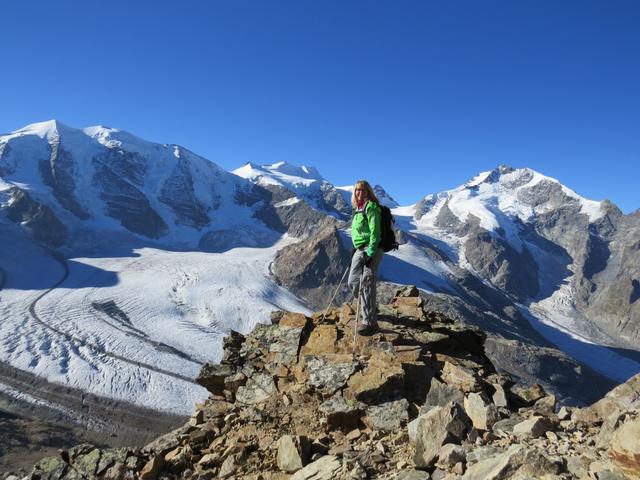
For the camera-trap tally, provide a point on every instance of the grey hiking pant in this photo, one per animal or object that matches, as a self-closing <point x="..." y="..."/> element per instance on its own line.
<point x="369" y="276"/>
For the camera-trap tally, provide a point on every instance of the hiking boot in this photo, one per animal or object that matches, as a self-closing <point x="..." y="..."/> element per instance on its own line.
<point x="365" y="330"/>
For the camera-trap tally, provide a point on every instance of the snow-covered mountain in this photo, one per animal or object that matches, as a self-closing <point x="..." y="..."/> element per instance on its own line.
<point x="553" y="252"/>
<point x="159" y="252"/>
<point x="307" y="184"/>
<point x="64" y="182"/>
<point x="124" y="262"/>
<point x="304" y="183"/>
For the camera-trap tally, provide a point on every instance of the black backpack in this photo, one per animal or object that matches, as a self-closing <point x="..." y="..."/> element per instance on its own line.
<point x="388" y="235"/>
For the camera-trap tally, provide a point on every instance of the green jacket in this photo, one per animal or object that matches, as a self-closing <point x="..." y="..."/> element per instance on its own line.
<point x="365" y="229"/>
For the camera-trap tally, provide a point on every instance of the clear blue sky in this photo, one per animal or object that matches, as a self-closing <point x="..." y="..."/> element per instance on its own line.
<point x="418" y="96"/>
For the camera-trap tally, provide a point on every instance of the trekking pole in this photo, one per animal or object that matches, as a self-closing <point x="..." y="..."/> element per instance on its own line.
<point x="355" y="327"/>
<point x="336" y="292"/>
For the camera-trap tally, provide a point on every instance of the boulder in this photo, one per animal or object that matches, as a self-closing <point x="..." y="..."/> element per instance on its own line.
<point x="212" y="377"/>
<point x="328" y="467"/>
<point x="449" y="455"/>
<point x="177" y="459"/>
<point x="257" y="390"/>
<point x="377" y="383"/>
<point x="504" y="465"/>
<point x="341" y="413"/>
<point x="229" y="466"/>
<point x="448" y="424"/>
<point x="407" y="291"/>
<point x="152" y="468"/>
<point x="625" y="448"/>
<point x="608" y="429"/>
<point x="292" y="320"/>
<point x="527" y="396"/>
<point x="462" y="378"/>
<point x="440" y="394"/>
<point x="289" y="454"/>
<point x="322" y="340"/>
<point x="546" y="405"/>
<point x="499" y="396"/>
<point x="412" y="475"/>
<point x="623" y="398"/>
<point x="109" y="458"/>
<point x="389" y="416"/>
<point x="533" y="427"/>
<point x="86" y="462"/>
<point x="51" y="468"/>
<point x="505" y="426"/>
<point x="329" y="376"/>
<point x="482" y="413"/>
<point x="408" y="301"/>
<point x="286" y="345"/>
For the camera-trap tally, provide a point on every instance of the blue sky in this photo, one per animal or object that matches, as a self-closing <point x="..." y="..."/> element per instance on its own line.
<point x="418" y="96"/>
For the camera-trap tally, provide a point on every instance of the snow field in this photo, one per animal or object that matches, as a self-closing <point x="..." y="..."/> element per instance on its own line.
<point x="175" y="309"/>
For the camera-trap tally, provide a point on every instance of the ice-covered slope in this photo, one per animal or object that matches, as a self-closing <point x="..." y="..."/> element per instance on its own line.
<point x="135" y="325"/>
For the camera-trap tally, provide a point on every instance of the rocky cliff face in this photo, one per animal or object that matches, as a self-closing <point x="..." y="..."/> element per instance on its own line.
<point x="614" y="290"/>
<point x="313" y="268"/>
<point x="303" y="399"/>
<point x="37" y="218"/>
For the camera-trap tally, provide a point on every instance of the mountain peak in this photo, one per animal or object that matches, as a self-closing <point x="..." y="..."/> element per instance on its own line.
<point x="384" y="197"/>
<point x="46" y="129"/>
<point x="294" y="171"/>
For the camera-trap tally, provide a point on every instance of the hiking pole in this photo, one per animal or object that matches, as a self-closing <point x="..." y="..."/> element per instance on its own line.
<point x="355" y="327"/>
<point x="336" y="292"/>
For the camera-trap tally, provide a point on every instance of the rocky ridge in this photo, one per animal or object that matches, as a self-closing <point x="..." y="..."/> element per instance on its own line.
<point x="303" y="399"/>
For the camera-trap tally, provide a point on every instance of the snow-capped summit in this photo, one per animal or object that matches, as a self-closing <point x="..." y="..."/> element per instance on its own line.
<point x="280" y="173"/>
<point x="304" y="182"/>
<point x="47" y="129"/>
<point x="494" y="196"/>
<point x="303" y="171"/>
<point x="103" y="178"/>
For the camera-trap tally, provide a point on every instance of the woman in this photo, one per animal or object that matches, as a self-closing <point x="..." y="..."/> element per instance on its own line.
<point x="365" y="235"/>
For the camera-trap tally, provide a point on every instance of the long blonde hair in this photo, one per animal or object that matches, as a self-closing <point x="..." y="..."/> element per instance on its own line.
<point x="370" y="195"/>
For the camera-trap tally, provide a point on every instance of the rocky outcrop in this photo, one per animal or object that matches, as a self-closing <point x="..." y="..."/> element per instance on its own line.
<point x="614" y="297"/>
<point x="333" y="201"/>
<point x="514" y="347"/>
<point x="283" y="212"/>
<point x="39" y="219"/>
<point x="178" y="193"/>
<point x="313" y="267"/>
<point x="127" y="203"/>
<point x="494" y="259"/>
<point x="307" y="398"/>
<point x="60" y="173"/>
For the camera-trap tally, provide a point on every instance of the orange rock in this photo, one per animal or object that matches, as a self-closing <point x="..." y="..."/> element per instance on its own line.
<point x="410" y="311"/>
<point x="152" y="468"/>
<point x="408" y="353"/>
<point x="322" y="340"/>
<point x="376" y="383"/>
<point x="408" y="301"/>
<point x="295" y="320"/>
